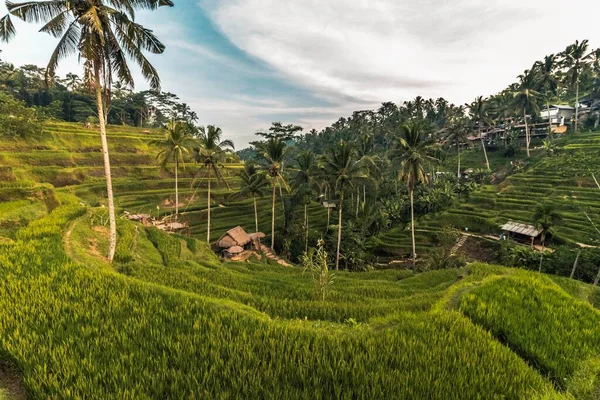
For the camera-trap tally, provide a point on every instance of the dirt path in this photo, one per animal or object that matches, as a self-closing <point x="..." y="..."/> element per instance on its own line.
<point x="67" y="241"/>
<point x="11" y="387"/>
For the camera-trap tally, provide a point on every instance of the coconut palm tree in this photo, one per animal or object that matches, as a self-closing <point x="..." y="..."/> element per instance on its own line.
<point x="342" y="167"/>
<point x="411" y="150"/>
<point x="254" y="184"/>
<point x="104" y="35"/>
<point x="272" y="154"/>
<point x="210" y="154"/>
<point x="547" y="81"/>
<point x="457" y="131"/>
<point x="175" y="146"/>
<point x="479" y="117"/>
<point x="545" y="217"/>
<point x="525" y="98"/>
<point x="575" y="59"/>
<point x="305" y="182"/>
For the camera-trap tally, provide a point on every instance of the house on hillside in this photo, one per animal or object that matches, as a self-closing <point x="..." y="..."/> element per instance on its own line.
<point x="521" y="232"/>
<point x="558" y="115"/>
<point x="236" y="241"/>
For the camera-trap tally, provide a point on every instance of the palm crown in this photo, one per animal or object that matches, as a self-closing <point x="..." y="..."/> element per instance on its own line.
<point x="102" y="32"/>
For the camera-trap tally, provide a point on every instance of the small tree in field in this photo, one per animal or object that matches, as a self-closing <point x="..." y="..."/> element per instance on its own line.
<point x="315" y="262"/>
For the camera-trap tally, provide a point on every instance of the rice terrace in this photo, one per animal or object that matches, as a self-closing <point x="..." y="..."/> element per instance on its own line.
<point x="156" y="245"/>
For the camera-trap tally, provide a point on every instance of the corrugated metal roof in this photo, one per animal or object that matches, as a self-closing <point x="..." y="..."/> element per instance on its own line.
<point x="522" y="229"/>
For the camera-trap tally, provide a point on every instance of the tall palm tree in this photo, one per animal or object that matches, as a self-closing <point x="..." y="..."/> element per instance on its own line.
<point x="525" y="98"/>
<point x="479" y="116"/>
<point x="210" y="154"/>
<point x="254" y="184"/>
<point x="305" y="182"/>
<point x="456" y="131"/>
<point x="547" y="81"/>
<point x="341" y="166"/>
<point x="575" y="59"/>
<point x="175" y="146"/>
<point x="411" y="149"/>
<point x="104" y="35"/>
<point x="545" y="217"/>
<point x="272" y="154"/>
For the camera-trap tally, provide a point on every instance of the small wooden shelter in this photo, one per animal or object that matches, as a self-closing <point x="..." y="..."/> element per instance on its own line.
<point x="234" y="237"/>
<point x="521" y="232"/>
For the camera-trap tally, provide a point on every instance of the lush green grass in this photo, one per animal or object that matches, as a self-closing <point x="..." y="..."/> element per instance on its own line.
<point x="169" y="320"/>
<point x="75" y="331"/>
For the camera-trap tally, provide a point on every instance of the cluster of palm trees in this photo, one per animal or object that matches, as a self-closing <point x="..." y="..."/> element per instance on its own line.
<point x="205" y="146"/>
<point x="337" y="174"/>
<point x="558" y="77"/>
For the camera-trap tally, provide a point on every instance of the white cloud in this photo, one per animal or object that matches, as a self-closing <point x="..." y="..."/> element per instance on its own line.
<point x="378" y="50"/>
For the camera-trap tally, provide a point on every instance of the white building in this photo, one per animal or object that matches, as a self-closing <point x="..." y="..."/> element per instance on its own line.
<point x="558" y="115"/>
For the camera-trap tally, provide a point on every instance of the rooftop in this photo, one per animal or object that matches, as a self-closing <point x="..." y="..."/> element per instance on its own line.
<point x="521" y="228"/>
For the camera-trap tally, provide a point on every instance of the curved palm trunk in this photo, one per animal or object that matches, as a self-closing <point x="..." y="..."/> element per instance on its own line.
<point x="273" y="218"/>
<point x="412" y="226"/>
<point x="109" y="191"/>
<point x="575" y="264"/>
<point x="339" y="238"/>
<point x="208" y="221"/>
<point x="527" y="139"/>
<point x="487" y="162"/>
<point x="176" y="185"/>
<point x="255" y="214"/>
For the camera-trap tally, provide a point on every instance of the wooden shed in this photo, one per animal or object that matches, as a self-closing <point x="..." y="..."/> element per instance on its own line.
<point x="234" y="237"/>
<point x="521" y="232"/>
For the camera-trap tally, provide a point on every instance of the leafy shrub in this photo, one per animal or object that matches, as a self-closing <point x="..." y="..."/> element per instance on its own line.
<point x="16" y="120"/>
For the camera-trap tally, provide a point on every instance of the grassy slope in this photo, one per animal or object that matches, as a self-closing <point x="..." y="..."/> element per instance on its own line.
<point x="564" y="180"/>
<point x="68" y="157"/>
<point x="170" y="320"/>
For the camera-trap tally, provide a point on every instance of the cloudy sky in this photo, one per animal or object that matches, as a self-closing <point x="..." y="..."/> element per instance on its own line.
<point x="244" y="63"/>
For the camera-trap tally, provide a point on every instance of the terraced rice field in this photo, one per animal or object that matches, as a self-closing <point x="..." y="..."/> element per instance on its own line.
<point x="564" y="179"/>
<point x="68" y="156"/>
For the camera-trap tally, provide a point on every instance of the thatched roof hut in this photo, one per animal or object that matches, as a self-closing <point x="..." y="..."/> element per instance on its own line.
<point x="235" y="250"/>
<point x="234" y="237"/>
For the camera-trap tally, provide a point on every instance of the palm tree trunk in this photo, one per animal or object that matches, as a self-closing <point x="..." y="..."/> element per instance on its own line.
<point x="357" y="199"/>
<point x="458" y="149"/>
<point x="412" y="226"/>
<point x="339" y="238"/>
<point x="597" y="278"/>
<point x="575" y="264"/>
<point x="273" y="218"/>
<point x="364" y="194"/>
<point x="526" y="132"/>
<point x="255" y="214"/>
<point x="487" y="162"/>
<point x="176" y="185"/>
<point x="549" y="120"/>
<point x="305" y="228"/>
<point x="576" y="104"/>
<point x="208" y="220"/>
<point x="109" y="191"/>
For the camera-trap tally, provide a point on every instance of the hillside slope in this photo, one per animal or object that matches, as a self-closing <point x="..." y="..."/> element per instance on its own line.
<point x="169" y="320"/>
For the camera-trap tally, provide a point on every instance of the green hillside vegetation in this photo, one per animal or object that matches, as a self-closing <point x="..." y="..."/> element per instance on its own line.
<point x="97" y="307"/>
<point x="169" y="319"/>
